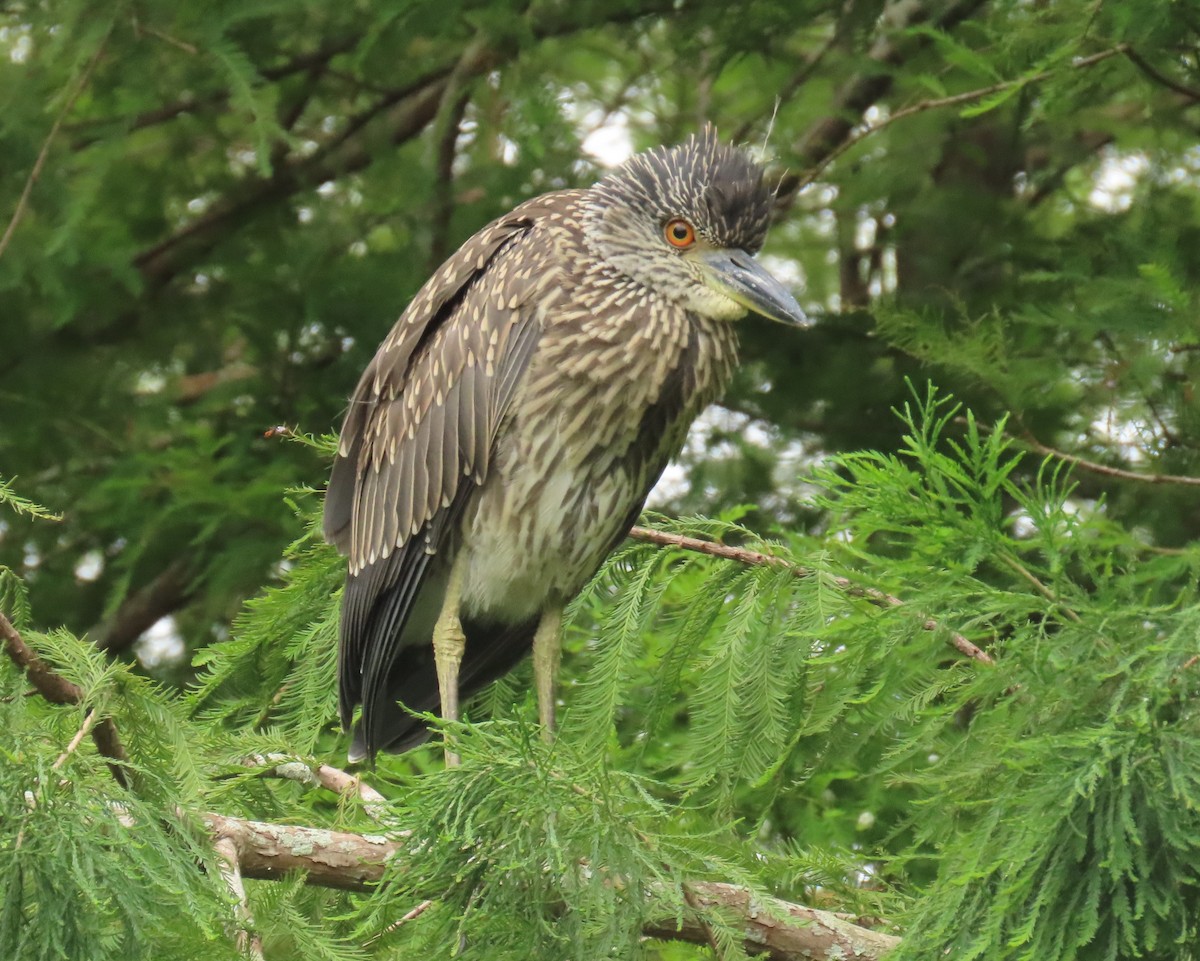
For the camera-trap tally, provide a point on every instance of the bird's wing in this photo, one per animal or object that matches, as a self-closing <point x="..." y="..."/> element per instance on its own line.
<point x="419" y="432"/>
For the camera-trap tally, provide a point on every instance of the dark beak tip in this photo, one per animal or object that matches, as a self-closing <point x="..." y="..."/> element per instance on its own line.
<point x="748" y="282"/>
<point x="790" y="312"/>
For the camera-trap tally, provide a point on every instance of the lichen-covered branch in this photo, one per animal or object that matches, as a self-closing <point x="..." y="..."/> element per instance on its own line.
<point x="337" y="859"/>
<point x="325" y="776"/>
<point x="331" y="859"/>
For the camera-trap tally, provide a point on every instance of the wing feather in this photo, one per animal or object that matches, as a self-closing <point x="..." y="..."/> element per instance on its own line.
<point x="417" y="440"/>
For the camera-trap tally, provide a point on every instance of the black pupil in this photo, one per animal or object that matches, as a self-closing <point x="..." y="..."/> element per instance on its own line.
<point x="679" y="232"/>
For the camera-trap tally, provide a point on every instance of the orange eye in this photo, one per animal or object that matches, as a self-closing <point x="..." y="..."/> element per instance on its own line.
<point x="680" y="233"/>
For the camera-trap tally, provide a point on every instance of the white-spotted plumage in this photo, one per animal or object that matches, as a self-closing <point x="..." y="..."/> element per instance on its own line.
<point x="518" y="414"/>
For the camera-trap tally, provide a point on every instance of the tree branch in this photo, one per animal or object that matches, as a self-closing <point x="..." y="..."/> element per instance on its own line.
<point x="1151" y="71"/>
<point x="1026" y="439"/>
<point x="89" y="720"/>
<point x="58" y="690"/>
<point x="355" y="862"/>
<point x="742" y="556"/>
<point x="139" y="611"/>
<point x="454" y="105"/>
<point x="403" y="113"/>
<point x="313" y="59"/>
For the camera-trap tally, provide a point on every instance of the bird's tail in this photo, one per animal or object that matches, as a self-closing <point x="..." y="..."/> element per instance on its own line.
<point x="492" y="650"/>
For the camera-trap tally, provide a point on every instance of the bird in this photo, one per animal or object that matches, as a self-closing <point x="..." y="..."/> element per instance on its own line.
<point x="505" y="436"/>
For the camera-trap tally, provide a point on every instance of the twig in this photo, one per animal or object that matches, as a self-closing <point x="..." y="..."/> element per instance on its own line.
<point x="173" y="41"/>
<point x="356" y="862"/>
<point x="40" y="162"/>
<point x="410" y="916"/>
<point x="867" y="87"/>
<point x="88" y="720"/>
<point x="1158" y="76"/>
<point x="1169" y="435"/>
<point x="248" y="942"/>
<point x="743" y="556"/>
<point x="1026" y="439"/>
<point x="58" y="690"/>
<point x="797" y="80"/>
<point x="326" y="776"/>
<point x="1024" y="572"/>
<point x="968" y="96"/>
<point x="1103" y="469"/>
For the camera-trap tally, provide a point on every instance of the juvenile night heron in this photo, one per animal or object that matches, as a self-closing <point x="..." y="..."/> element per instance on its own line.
<point x="508" y="430"/>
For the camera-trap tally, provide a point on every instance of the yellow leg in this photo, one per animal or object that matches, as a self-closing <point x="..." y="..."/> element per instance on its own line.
<point x="449" y="642"/>
<point x="547" y="652"/>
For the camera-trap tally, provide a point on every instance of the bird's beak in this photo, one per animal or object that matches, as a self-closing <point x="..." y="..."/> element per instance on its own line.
<point x="741" y="278"/>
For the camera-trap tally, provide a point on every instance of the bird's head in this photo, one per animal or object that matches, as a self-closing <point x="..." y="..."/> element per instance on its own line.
<point x="686" y="222"/>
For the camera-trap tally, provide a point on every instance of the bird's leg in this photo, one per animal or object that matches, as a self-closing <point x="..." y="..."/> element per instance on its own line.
<point x="449" y="642"/>
<point x="547" y="652"/>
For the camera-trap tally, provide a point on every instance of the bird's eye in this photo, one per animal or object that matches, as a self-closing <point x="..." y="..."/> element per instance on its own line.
<point x="680" y="233"/>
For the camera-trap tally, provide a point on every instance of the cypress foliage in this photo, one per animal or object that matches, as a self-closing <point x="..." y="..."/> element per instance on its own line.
<point x="209" y="214"/>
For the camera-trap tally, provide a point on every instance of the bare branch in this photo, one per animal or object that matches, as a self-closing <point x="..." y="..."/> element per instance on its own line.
<point x="331" y="859"/>
<point x="1159" y="77"/>
<point x="408" y="916"/>
<point x="139" y="611"/>
<point x="355" y="862"/>
<point x="1027" y="440"/>
<point x="1095" y="468"/>
<point x="743" y="556"/>
<point x="803" y="932"/>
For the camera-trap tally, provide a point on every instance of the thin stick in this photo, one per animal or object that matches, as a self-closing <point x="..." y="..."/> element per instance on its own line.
<point x="410" y="916"/>
<point x="326" y="776"/>
<point x="1103" y="469"/>
<point x="1026" y="439"/>
<point x="966" y="97"/>
<point x="88" y="720"/>
<point x="743" y="556"/>
<point x="248" y="942"/>
<point x="23" y="201"/>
